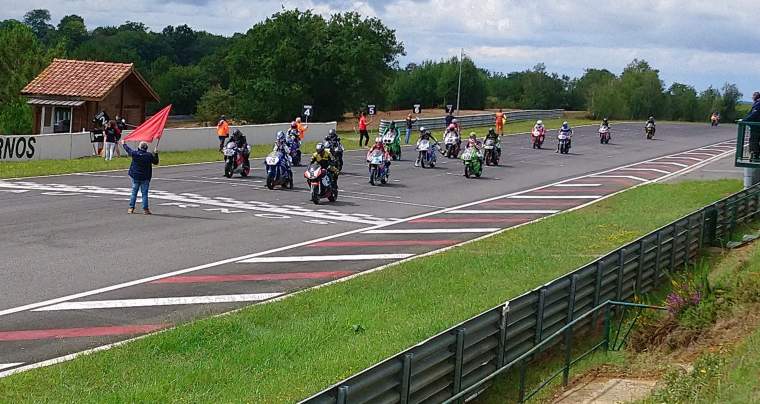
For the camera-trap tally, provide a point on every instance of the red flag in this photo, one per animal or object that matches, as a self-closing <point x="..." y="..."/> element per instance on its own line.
<point x="151" y="129"/>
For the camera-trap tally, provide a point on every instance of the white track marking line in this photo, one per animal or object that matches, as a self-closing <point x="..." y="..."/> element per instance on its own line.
<point x="504" y="211"/>
<point x="578" y="185"/>
<point x="319" y="258"/>
<point x="622" y="176"/>
<point x="646" y="169"/>
<point x="701" y="154"/>
<point x="158" y="301"/>
<point x="555" y="197"/>
<point x="433" y="231"/>
<point x="9" y="365"/>
<point x="669" y="163"/>
<point x="686" y="158"/>
<point x="141" y="281"/>
<point x="15" y="191"/>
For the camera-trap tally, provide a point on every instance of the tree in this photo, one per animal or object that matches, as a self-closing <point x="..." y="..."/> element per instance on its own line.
<point x="216" y="102"/>
<point x="731" y="97"/>
<point x="38" y="20"/>
<point x="641" y="89"/>
<point x="181" y="86"/>
<point x="72" y="30"/>
<point x="683" y="102"/>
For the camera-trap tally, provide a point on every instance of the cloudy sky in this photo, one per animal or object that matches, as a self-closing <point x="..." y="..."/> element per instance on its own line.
<point x="696" y="42"/>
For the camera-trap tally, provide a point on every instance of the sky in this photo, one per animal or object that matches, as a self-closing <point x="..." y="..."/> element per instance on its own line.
<point x="700" y="43"/>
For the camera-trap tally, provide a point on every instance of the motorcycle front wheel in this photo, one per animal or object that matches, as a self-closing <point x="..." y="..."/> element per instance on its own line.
<point x="372" y="175"/>
<point x="228" y="169"/>
<point x="315" y="194"/>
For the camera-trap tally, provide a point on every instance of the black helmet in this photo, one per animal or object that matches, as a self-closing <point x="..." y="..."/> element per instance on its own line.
<point x="491" y="131"/>
<point x="331" y="133"/>
<point x="237" y="132"/>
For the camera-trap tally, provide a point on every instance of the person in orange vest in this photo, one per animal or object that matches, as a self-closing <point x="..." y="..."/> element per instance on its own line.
<point x="500" y="118"/>
<point x="223" y="131"/>
<point x="301" y="128"/>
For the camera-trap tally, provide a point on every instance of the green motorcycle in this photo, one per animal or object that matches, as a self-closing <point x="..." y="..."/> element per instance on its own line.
<point x="472" y="163"/>
<point x="392" y="142"/>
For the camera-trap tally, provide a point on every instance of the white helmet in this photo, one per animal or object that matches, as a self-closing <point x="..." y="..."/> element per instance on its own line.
<point x="540" y="122"/>
<point x="378" y="140"/>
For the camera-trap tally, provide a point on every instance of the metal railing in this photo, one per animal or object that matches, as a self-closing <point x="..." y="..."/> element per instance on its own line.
<point x="476" y="121"/>
<point x="462" y="356"/>
<point x="744" y="156"/>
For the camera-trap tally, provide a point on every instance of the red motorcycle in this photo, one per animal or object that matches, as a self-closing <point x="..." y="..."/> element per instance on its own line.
<point x="236" y="160"/>
<point x="320" y="184"/>
<point x="537" y="137"/>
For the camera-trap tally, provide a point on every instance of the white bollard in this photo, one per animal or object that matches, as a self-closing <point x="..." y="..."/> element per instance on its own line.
<point x="751" y="176"/>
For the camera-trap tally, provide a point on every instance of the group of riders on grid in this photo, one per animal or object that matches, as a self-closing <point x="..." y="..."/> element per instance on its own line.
<point x="328" y="155"/>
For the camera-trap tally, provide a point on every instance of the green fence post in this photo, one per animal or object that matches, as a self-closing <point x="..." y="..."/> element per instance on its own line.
<point x="459" y="358"/>
<point x="658" y="258"/>
<point x="342" y="394"/>
<point x="673" y="248"/>
<point x="523" y="371"/>
<point x="597" y="289"/>
<point x="702" y="218"/>
<point x="571" y="298"/>
<point x="607" y="331"/>
<point x="503" y="334"/>
<point x="406" y="378"/>
<point x="568" y="355"/>
<point x="621" y="268"/>
<point x="540" y="316"/>
<point x="687" y="252"/>
<point x="637" y="286"/>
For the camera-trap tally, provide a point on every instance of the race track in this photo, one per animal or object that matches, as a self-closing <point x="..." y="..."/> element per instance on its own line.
<point x="80" y="273"/>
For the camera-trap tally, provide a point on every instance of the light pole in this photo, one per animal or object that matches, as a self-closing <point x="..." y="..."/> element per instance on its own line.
<point x="459" y="86"/>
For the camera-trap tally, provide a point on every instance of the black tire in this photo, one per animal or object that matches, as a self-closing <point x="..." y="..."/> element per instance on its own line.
<point x="422" y="159"/>
<point x="315" y="194"/>
<point x="478" y="174"/>
<point x="467" y="171"/>
<point x="334" y="196"/>
<point x="383" y="181"/>
<point x="228" y="169"/>
<point x="270" y="182"/>
<point x="372" y="175"/>
<point x="290" y="182"/>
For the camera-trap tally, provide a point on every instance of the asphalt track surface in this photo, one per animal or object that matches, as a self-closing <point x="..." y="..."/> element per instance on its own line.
<point x="79" y="273"/>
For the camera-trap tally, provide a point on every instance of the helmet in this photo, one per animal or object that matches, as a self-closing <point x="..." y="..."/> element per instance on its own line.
<point x="452" y="127"/>
<point x="378" y="140"/>
<point x="237" y="132"/>
<point x="540" y="122"/>
<point x="280" y="136"/>
<point x="393" y="124"/>
<point x="423" y="129"/>
<point x="293" y="124"/>
<point x="454" y="121"/>
<point x="320" y="147"/>
<point x="604" y="120"/>
<point x="223" y="118"/>
<point x="332" y="133"/>
<point x="651" y="118"/>
<point x="473" y="136"/>
<point x="564" y="123"/>
<point x="491" y="131"/>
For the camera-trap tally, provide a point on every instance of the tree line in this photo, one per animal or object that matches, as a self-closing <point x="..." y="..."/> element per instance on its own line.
<point x="338" y="64"/>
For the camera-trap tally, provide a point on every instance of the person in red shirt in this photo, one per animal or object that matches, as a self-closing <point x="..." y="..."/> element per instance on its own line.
<point x="363" y="133"/>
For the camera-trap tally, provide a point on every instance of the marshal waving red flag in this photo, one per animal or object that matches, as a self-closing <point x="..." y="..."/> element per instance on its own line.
<point x="152" y="129"/>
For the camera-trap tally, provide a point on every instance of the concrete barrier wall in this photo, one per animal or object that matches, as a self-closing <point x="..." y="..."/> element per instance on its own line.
<point x="64" y="146"/>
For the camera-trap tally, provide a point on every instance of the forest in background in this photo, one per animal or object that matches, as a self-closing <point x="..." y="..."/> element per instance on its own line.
<point x="338" y="64"/>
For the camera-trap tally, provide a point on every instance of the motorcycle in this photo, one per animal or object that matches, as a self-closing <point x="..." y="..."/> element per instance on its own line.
<point x="278" y="170"/>
<point x="537" y="138"/>
<point x="604" y="135"/>
<point x="336" y="149"/>
<point x="236" y="160"/>
<point x="452" y="143"/>
<point x="426" y="153"/>
<point x="320" y="184"/>
<point x="392" y="142"/>
<point x="649" y="130"/>
<point x="563" y="143"/>
<point x="379" y="170"/>
<point x="472" y="165"/>
<point x="492" y="151"/>
<point x="294" y="144"/>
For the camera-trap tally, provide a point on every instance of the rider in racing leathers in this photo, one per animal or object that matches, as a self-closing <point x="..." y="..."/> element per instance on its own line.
<point x="567" y="131"/>
<point x="323" y="157"/>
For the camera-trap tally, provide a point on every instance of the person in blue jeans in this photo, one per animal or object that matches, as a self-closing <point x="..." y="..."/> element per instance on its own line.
<point x="409" y="123"/>
<point x="140" y="171"/>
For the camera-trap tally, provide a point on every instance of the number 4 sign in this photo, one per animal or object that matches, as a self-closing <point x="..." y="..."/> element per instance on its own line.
<point x="307" y="111"/>
<point x="371" y="109"/>
<point x="417" y="109"/>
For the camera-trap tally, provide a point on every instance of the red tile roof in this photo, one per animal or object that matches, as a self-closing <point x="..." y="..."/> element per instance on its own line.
<point x="82" y="79"/>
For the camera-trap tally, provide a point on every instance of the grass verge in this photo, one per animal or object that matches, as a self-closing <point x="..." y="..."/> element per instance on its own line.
<point x="90" y="164"/>
<point x="287" y="350"/>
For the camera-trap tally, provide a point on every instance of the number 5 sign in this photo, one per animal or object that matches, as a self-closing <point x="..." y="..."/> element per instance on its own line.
<point x="371" y="109"/>
<point x="308" y="110"/>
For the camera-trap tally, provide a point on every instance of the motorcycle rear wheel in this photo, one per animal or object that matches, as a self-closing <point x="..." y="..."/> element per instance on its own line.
<point x="333" y="195"/>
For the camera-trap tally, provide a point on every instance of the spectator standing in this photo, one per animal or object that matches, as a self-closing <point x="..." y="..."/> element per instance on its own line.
<point x="222" y="131"/>
<point x="301" y="128"/>
<point x="111" y="136"/>
<point x="449" y="118"/>
<point x="754" y="131"/>
<point x="140" y="171"/>
<point x="409" y="123"/>
<point x="500" y="118"/>
<point x="363" y="133"/>
<point x="121" y="123"/>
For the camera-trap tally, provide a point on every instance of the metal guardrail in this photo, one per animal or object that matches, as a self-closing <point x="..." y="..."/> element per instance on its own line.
<point x="458" y="358"/>
<point x="476" y="121"/>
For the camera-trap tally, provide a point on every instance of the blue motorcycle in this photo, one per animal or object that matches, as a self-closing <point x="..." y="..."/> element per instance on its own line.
<point x="294" y="144"/>
<point x="278" y="170"/>
<point x="426" y="153"/>
<point x="379" y="167"/>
